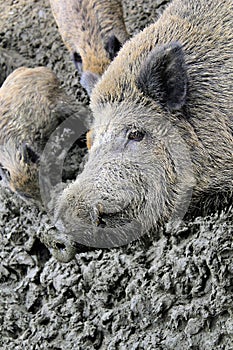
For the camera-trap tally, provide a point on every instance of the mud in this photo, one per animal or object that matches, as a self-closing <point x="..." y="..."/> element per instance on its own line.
<point x="171" y="290"/>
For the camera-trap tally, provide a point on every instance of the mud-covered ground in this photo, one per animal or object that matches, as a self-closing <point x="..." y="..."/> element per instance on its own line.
<point x="172" y="291"/>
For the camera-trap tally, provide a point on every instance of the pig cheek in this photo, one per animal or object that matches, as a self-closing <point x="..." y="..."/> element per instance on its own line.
<point x="105" y="147"/>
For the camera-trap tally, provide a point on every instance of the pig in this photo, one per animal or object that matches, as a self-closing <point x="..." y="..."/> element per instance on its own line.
<point x="161" y="140"/>
<point x="93" y="31"/>
<point x="32" y="105"/>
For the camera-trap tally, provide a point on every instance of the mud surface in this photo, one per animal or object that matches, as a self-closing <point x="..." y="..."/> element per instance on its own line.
<point x="170" y="291"/>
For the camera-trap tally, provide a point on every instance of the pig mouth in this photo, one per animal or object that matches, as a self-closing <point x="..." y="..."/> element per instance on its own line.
<point x="111" y="235"/>
<point x="111" y="219"/>
<point x="106" y="230"/>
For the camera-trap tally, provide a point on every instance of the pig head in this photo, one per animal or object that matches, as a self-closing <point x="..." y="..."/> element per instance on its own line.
<point x="139" y="173"/>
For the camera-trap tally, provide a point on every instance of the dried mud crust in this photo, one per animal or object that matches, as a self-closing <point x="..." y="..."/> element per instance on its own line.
<point x="171" y="291"/>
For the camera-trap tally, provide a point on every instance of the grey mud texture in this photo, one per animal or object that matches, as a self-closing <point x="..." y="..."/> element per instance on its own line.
<point x="173" y="290"/>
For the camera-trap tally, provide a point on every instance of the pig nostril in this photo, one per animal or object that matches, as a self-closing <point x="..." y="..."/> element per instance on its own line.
<point x="101" y="223"/>
<point x="60" y="246"/>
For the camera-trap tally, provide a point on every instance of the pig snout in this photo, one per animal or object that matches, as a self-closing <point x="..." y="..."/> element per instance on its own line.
<point x="96" y="213"/>
<point x="95" y="220"/>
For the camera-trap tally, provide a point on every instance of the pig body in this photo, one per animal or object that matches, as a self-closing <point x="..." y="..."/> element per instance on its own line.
<point x="161" y="140"/>
<point x="93" y="32"/>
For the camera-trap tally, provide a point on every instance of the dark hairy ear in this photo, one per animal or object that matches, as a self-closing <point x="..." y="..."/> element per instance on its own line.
<point x="163" y="76"/>
<point x="112" y="46"/>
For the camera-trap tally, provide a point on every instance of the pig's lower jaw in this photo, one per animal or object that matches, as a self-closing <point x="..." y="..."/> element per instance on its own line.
<point x="108" y="233"/>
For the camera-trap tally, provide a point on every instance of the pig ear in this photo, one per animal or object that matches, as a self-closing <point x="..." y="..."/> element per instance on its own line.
<point x="112" y="46"/>
<point x="163" y="76"/>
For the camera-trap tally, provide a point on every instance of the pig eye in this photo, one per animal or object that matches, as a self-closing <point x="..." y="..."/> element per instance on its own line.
<point x="136" y="135"/>
<point x="4" y="173"/>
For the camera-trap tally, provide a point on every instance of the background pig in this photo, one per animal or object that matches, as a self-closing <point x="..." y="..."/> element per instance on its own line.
<point x="93" y="32"/>
<point x="161" y="138"/>
<point x="32" y="105"/>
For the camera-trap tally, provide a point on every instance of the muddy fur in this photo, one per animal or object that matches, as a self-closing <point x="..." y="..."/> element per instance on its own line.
<point x="93" y="32"/>
<point x="32" y="104"/>
<point x="162" y="131"/>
